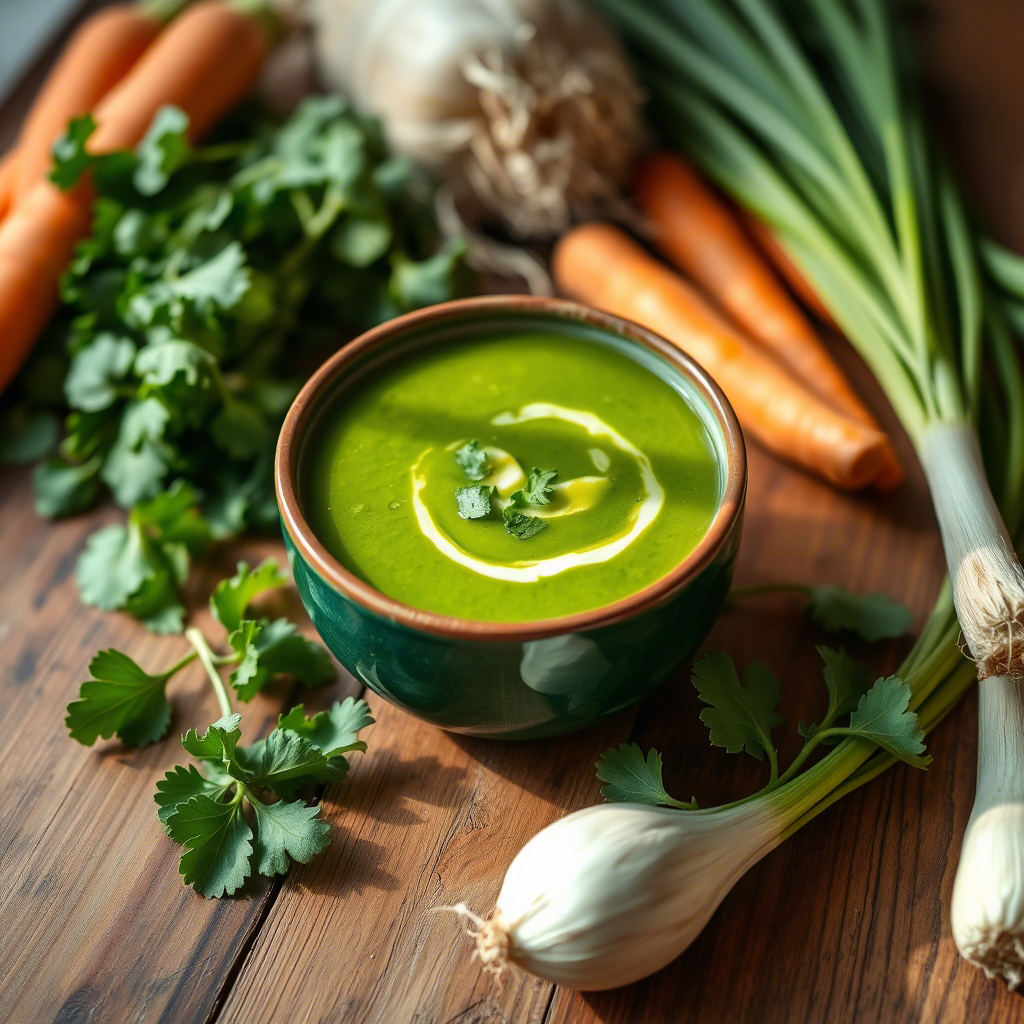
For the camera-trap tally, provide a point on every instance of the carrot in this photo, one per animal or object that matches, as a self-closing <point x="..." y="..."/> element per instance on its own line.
<point x="600" y="264"/>
<point x="102" y="51"/>
<point x="700" y="235"/>
<point x="37" y="239"/>
<point x="204" y="63"/>
<point x="8" y="170"/>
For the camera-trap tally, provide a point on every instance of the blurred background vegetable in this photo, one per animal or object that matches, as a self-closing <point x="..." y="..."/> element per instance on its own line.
<point x="205" y="62"/>
<point x="525" y="109"/>
<point x="175" y="347"/>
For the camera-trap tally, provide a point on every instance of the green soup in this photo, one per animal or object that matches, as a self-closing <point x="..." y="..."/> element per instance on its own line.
<point x="638" y="477"/>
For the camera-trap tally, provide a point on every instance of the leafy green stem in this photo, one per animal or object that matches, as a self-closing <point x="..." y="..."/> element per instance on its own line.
<point x="206" y="656"/>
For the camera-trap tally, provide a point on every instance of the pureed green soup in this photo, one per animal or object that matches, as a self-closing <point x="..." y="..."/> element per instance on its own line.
<point x="638" y="478"/>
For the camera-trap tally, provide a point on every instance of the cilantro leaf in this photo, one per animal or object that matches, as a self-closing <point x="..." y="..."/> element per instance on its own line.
<point x="133" y="472"/>
<point x="360" y="241"/>
<point x="474" y="502"/>
<point x="538" y="489"/>
<point x="218" y="743"/>
<point x="95" y="371"/>
<point x="270" y="648"/>
<point x="286" y="761"/>
<point x="63" y="488"/>
<point x="473" y="460"/>
<point x="218" y="844"/>
<point x="521" y="525"/>
<point x="332" y="732"/>
<point x="113" y="566"/>
<point x="232" y="596"/>
<point x="162" y="150"/>
<point x="183" y="782"/>
<point x="882" y="717"/>
<point x="847" y="681"/>
<point x="287" y="832"/>
<point x="173" y="517"/>
<point x="871" y="616"/>
<point x="416" y="283"/>
<point x="70" y="159"/>
<point x="741" y="715"/>
<point x="120" y="697"/>
<point x="632" y="779"/>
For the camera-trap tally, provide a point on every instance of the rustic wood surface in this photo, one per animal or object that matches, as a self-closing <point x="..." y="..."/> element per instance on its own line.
<point x="846" y="922"/>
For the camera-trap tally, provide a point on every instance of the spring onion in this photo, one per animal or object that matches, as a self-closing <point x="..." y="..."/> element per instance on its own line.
<point x="810" y="123"/>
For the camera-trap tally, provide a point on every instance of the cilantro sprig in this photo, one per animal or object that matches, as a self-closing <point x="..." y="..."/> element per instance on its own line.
<point x="741" y="715"/>
<point x="204" y="809"/>
<point x="173" y="359"/>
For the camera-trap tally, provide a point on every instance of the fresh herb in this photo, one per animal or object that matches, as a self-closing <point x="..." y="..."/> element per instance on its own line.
<point x="632" y="779"/>
<point x="521" y="525"/>
<point x="473" y="460"/>
<point x="474" y="502"/>
<point x="205" y="810"/>
<point x="871" y="616"/>
<point x="121" y="698"/>
<point x="742" y="716"/>
<point x="174" y="357"/>
<point x="538" y="490"/>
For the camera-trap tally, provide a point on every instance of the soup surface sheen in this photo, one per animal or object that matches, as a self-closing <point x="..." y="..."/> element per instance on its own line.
<point x="638" y="479"/>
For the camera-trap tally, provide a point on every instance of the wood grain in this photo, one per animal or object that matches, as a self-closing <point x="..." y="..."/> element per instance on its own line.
<point x="847" y="922"/>
<point x="96" y="922"/>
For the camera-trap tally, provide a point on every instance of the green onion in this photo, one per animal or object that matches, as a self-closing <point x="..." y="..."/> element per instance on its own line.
<point x="805" y="114"/>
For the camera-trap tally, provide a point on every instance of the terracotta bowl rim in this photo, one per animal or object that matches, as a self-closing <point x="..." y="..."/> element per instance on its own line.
<point x="302" y="414"/>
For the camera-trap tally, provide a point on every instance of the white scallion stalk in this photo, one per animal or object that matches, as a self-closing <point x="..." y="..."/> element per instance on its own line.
<point x="987" y="912"/>
<point x="526" y="108"/>
<point x="875" y="223"/>
<point x="988" y="582"/>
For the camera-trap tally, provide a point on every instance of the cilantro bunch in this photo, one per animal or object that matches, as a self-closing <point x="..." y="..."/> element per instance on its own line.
<point x="205" y="810"/>
<point x="191" y="316"/>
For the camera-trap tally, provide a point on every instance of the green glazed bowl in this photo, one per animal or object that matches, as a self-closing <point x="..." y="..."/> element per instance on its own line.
<point x="513" y="680"/>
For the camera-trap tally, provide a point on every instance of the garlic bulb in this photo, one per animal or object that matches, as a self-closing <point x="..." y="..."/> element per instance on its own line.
<point x="526" y="107"/>
<point x="987" y="912"/>
<point x="611" y="894"/>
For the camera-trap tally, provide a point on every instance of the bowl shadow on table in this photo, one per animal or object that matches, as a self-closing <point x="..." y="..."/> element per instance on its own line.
<point x="386" y="796"/>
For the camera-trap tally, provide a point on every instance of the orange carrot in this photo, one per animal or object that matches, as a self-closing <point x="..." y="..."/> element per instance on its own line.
<point x="8" y="171"/>
<point x="701" y="236"/>
<point x="37" y="239"/>
<point x="204" y="63"/>
<point x="600" y="264"/>
<point x="102" y="51"/>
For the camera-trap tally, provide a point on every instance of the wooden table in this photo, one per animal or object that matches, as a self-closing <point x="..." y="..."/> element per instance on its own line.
<point x="848" y="921"/>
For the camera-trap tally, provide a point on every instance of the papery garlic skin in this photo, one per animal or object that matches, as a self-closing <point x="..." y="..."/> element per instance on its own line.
<point x="611" y="894"/>
<point x="526" y="107"/>
<point x="987" y="911"/>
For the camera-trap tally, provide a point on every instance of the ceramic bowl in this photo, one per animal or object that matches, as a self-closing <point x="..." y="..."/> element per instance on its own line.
<point x="513" y="680"/>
